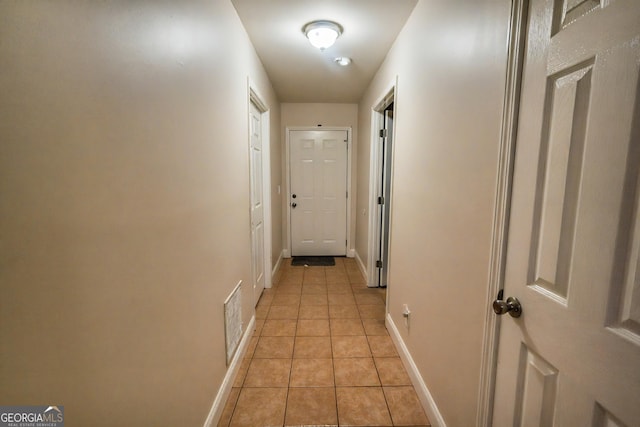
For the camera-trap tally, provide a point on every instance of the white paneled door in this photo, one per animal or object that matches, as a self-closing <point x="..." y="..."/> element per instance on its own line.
<point x="573" y="256"/>
<point x="257" y="202"/>
<point x="318" y="196"/>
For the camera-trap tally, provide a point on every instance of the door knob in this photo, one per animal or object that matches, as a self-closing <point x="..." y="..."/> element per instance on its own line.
<point x="511" y="306"/>
<point x="294" y="196"/>
<point x="293" y="205"/>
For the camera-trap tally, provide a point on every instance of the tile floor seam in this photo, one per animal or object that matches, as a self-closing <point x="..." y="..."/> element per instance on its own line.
<point x="235" y="405"/>
<point x="286" y="397"/>
<point x="335" y="383"/>
<point x="381" y="385"/>
<point x="317" y="285"/>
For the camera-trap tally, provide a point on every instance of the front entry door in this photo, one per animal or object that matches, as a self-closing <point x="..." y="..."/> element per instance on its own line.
<point x="318" y="197"/>
<point x="573" y="257"/>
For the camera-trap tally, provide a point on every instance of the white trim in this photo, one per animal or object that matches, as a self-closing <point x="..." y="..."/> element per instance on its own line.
<point x="265" y="131"/>
<point x="350" y="192"/>
<point x="274" y="271"/>
<point x="426" y="399"/>
<point x="389" y="94"/>
<point x="361" y="265"/>
<point x="266" y="185"/>
<point x="500" y="227"/>
<point x="227" y="383"/>
<point x="373" y="191"/>
<point x="256" y="97"/>
<point x="287" y="250"/>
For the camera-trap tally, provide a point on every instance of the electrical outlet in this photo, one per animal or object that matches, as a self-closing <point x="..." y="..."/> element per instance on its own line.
<point x="405" y="310"/>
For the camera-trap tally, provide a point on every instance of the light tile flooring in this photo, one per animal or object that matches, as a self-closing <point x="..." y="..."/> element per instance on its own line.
<point x="321" y="355"/>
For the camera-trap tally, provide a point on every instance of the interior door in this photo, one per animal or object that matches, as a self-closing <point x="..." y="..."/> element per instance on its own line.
<point x="573" y="357"/>
<point x="318" y="197"/>
<point x="384" y="199"/>
<point x="257" y="202"/>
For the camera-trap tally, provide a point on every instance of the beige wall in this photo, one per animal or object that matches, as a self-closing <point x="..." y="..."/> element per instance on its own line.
<point x="450" y="61"/>
<point x="124" y="210"/>
<point x="277" y="184"/>
<point x="314" y="114"/>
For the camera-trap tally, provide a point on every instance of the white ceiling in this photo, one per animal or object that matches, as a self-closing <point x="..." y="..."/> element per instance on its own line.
<point x="301" y="73"/>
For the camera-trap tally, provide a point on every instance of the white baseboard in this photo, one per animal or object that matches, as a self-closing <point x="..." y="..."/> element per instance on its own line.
<point x="277" y="266"/>
<point x="286" y="253"/>
<point x="363" y="269"/>
<point x="424" y="395"/>
<point x="227" y="383"/>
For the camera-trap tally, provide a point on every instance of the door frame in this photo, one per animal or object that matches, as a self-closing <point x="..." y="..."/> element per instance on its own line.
<point x="254" y="97"/>
<point x="502" y="206"/>
<point x="389" y="96"/>
<point x="287" y="206"/>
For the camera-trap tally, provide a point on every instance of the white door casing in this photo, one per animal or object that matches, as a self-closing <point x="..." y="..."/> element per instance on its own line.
<point x="384" y="204"/>
<point x="380" y="184"/>
<point x="573" y="254"/>
<point x="257" y="203"/>
<point x="318" y="192"/>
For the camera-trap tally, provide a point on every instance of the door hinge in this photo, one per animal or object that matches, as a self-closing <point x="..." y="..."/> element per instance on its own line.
<point x="383" y="133"/>
<point x="347" y="196"/>
<point x="378" y="264"/>
<point x="381" y="200"/>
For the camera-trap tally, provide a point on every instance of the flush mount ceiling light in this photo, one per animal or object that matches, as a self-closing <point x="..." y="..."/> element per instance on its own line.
<point x="342" y="60"/>
<point x="322" y="34"/>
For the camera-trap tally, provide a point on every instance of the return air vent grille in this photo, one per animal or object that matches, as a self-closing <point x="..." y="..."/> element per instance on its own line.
<point x="233" y="321"/>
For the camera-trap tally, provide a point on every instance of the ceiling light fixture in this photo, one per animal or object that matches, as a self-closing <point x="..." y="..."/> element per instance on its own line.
<point x="322" y="34"/>
<point x="342" y="60"/>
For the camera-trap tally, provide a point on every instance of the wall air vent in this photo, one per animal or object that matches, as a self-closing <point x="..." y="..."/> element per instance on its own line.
<point x="233" y="321"/>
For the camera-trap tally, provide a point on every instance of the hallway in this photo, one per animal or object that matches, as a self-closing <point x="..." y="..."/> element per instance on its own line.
<point x="126" y="212"/>
<point x="321" y="355"/>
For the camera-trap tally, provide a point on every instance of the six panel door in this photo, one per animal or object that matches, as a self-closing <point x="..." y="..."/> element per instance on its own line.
<point x="318" y="198"/>
<point x="573" y="357"/>
<point x="257" y="203"/>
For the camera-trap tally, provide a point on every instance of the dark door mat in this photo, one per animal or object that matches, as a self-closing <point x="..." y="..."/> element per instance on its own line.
<point x="313" y="261"/>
